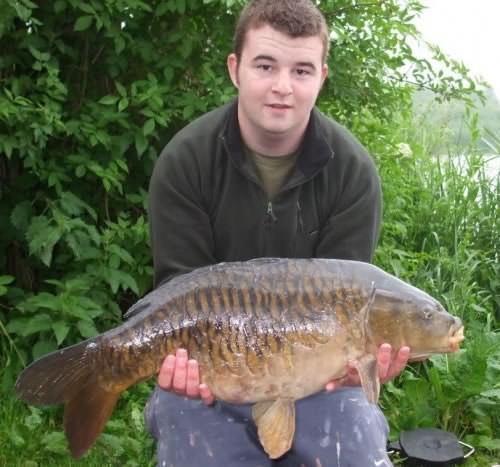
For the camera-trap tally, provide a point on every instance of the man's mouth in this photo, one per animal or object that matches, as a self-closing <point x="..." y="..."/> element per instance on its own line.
<point x="279" y="106"/>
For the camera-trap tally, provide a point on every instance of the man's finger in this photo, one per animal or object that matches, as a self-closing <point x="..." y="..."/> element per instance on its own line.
<point x="399" y="362"/>
<point x="180" y="372"/>
<point x="166" y="372"/>
<point x="192" y="379"/>
<point x="332" y="385"/>
<point x="384" y="358"/>
<point x="206" y="395"/>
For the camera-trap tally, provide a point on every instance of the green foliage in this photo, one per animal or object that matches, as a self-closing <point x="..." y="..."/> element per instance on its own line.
<point x="32" y="437"/>
<point x="440" y="233"/>
<point x="460" y="393"/>
<point x="91" y="92"/>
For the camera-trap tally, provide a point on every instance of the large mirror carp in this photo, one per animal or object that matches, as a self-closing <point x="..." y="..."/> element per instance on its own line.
<point x="267" y="331"/>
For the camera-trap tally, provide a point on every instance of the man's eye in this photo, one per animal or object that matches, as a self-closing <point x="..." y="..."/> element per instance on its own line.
<point x="302" y="72"/>
<point x="264" y="67"/>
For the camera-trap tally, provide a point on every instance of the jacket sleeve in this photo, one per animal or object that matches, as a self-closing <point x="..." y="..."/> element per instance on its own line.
<point x="352" y="228"/>
<point x="181" y="233"/>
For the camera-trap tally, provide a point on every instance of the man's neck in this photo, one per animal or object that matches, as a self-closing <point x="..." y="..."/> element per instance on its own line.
<point x="272" y="144"/>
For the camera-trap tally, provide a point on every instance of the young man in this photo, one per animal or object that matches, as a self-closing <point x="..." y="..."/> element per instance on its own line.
<point x="266" y="175"/>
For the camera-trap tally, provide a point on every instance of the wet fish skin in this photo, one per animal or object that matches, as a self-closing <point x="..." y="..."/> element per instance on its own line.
<point x="263" y="330"/>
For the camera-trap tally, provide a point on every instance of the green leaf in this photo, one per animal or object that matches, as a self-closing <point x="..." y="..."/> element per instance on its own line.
<point x="21" y="215"/>
<point x="77" y="312"/>
<point x="83" y="23"/>
<point x="87" y="329"/>
<point x="161" y="9"/>
<point x="38" y="323"/>
<point x="6" y="280"/>
<point x="188" y="112"/>
<point x="123" y="104"/>
<point x="141" y="143"/>
<point x="43" y="347"/>
<point x="119" y="44"/>
<point x="109" y="100"/>
<point x="15" y="437"/>
<point x="492" y="394"/>
<point x="86" y="8"/>
<point x="29" y="4"/>
<point x="149" y="127"/>
<point x="80" y="171"/>
<point x="181" y="6"/>
<point x="34" y="420"/>
<point x="59" y="6"/>
<point x="112" y="443"/>
<point x="56" y="442"/>
<point x="16" y="325"/>
<point x="61" y="330"/>
<point x="8" y="146"/>
<point x="120" y="88"/>
<point x="123" y="254"/>
<point x="42" y="238"/>
<point x="40" y="56"/>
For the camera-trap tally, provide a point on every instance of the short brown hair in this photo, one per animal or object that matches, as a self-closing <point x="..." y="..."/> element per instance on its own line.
<point x="296" y="18"/>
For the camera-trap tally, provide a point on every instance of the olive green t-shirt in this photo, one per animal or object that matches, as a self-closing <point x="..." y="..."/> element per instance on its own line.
<point x="273" y="171"/>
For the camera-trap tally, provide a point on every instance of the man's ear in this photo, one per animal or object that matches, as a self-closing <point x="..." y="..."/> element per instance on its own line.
<point x="324" y="73"/>
<point x="232" y="67"/>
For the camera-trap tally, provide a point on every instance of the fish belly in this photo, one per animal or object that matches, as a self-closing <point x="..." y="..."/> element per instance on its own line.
<point x="300" y="371"/>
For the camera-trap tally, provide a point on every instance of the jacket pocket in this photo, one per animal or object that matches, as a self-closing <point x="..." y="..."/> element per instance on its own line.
<point x="305" y="244"/>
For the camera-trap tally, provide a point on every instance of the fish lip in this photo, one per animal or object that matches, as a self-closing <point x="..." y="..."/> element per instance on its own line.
<point x="456" y="335"/>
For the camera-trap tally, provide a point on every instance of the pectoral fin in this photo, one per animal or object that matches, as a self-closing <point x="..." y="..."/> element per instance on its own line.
<point x="368" y="373"/>
<point x="275" y="422"/>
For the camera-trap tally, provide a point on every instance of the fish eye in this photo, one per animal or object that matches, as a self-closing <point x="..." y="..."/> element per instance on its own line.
<point x="428" y="314"/>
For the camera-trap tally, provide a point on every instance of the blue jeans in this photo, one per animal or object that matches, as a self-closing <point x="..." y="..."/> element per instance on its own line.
<point x="338" y="429"/>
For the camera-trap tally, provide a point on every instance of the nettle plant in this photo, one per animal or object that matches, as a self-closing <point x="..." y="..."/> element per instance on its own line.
<point x="91" y="91"/>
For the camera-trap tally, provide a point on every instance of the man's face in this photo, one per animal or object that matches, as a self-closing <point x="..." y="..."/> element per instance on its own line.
<point x="278" y="78"/>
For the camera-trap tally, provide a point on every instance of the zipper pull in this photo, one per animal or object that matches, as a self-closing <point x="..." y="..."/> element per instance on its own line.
<point x="299" y="217"/>
<point x="271" y="217"/>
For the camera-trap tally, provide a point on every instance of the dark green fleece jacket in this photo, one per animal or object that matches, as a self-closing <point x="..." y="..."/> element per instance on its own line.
<point x="207" y="205"/>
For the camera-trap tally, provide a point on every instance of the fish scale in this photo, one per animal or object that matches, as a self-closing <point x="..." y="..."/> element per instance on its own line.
<point x="265" y="331"/>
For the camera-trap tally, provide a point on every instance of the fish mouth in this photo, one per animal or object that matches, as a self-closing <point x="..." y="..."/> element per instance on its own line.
<point x="456" y="336"/>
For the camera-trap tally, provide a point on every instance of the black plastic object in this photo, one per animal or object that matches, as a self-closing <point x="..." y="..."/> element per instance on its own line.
<point x="426" y="447"/>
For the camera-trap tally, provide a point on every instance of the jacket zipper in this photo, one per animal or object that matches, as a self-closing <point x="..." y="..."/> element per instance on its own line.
<point x="270" y="216"/>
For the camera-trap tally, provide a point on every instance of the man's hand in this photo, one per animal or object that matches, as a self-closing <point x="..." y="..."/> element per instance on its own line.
<point x="182" y="376"/>
<point x="388" y="368"/>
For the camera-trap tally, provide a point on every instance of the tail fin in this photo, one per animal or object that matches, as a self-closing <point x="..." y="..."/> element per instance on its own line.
<point x="56" y="377"/>
<point x="70" y="376"/>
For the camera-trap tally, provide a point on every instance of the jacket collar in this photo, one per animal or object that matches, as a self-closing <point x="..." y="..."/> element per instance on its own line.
<point x="315" y="151"/>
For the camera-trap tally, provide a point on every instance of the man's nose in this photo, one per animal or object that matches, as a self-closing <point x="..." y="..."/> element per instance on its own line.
<point x="282" y="84"/>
